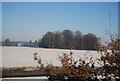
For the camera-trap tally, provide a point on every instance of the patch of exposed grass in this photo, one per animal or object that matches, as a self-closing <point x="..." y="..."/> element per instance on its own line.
<point x="23" y="71"/>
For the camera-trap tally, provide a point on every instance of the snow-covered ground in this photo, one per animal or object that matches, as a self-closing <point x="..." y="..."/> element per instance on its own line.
<point x="23" y="56"/>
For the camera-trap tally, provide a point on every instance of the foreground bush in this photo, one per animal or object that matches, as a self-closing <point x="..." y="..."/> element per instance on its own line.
<point x="79" y="70"/>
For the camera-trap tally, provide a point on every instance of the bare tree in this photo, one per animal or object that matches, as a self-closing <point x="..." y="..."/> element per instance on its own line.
<point x="90" y="40"/>
<point x="47" y="40"/>
<point x="67" y="38"/>
<point x="7" y="42"/>
<point x="57" y="39"/>
<point x="78" y="40"/>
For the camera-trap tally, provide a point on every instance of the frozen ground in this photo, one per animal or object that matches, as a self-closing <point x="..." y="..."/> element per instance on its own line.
<point x="23" y="56"/>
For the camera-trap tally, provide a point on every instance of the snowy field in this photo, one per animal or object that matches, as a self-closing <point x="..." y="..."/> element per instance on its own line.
<point x="23" y="56"/>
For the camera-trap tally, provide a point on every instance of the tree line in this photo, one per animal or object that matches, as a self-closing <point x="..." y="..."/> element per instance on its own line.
<point x="69" y="39"/>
